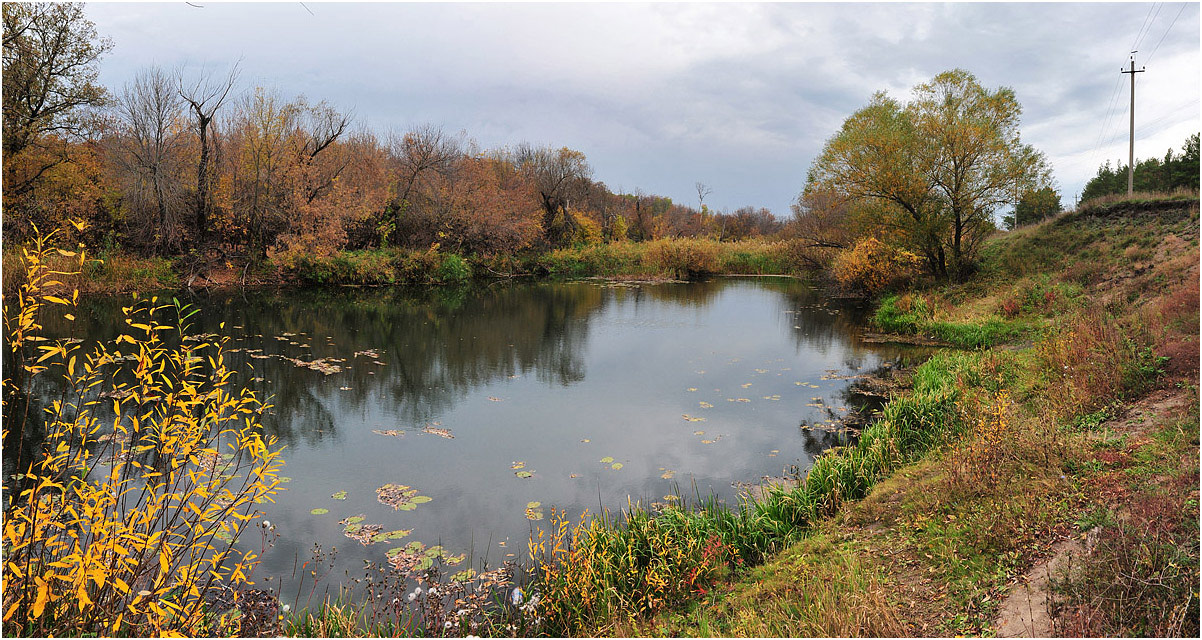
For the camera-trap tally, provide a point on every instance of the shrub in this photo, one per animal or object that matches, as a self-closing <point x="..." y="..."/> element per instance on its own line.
<point x="127" y="532"/>
<point x="872" y="266"/>
<point x="683" y="258"/>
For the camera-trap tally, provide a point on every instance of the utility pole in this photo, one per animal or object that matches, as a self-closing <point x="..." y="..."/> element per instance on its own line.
<point x="1131" y="149"/>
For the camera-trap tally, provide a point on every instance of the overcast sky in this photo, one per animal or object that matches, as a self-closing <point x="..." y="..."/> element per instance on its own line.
<point x="739" y="96"/>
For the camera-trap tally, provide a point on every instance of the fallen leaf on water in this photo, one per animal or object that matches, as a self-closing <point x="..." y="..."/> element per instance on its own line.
<point x="706" y="405"/>
<point x="534" y="510"/>
<point x="319" y="511"/>
<point x="341" y="495"/>
<point x="607" y="459"/>
<point x="761" y="371"/>
<point x="524" y="474"/>
<point x="668" y="475"/>
<point x="389" y="432"/>
<point x="518" y="465"/>
<point x="745" y="385"/>
<point x="442" y="433"/>
<point x="615" y="466"/>
<point x="691" y="389"/>
<point x="586" y="440"/>
<point x="742" y="400"/>
<point x="698" y="433"/>
<point x="400" y="497"/>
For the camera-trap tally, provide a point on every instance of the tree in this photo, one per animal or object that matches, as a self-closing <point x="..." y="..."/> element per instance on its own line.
<point x="940" y="165"/>
<point x="415" y="156"/>
<point x="559" y="177"/>
<point x="204" y="96"/>
<point x="49" y="96"/>
<point x="150" y="156"/>
<point x="1035" y="205"/>
<point x="50" y="57"/>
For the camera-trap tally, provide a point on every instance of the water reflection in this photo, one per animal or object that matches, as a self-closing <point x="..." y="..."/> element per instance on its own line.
<point x="709" y="380"/>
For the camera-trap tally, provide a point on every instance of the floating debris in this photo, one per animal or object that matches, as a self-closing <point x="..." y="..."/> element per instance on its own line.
<point x="521" y="464"/>
<point x="524" y="474"/>
<point x="668" y="475"/>
<point x="494" y="399"/>
<point x="370" y="353"/>
<point x="692" y="418"/>
<point x="745" y="385"/>
<point x="319" y="511"/>
<point x="435" y="431"/>
<point x="534" y="510"/>
<point x="616" y="466"/>
<point x="400" y="497"/>
<point x="607" y="459"/>
<point x="691" y="389"/>
<point x="396" y="433"/>
<point x="706" y="405"/>
<point x="341" y="495"/>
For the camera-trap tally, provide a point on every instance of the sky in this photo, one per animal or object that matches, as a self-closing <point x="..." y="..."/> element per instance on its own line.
<point x="738" y="96"/>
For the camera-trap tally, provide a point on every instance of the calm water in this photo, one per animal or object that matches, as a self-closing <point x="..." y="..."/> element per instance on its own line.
<point x="712" y="383"/>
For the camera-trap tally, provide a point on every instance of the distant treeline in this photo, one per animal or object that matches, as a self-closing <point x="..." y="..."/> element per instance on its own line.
<point x="175" y="163"/>
<point x="1175" y="171"/>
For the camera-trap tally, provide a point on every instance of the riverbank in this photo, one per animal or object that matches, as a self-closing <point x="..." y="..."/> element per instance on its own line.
<point x="1081" y="455"/>
<point x="665" y="259"/>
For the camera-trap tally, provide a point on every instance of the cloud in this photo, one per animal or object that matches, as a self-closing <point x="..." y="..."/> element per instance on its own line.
<point x="738" y="95"/>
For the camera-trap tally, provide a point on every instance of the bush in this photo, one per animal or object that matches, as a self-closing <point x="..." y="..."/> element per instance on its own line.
<point x="128" y="532"/>
<point x="683" y="258"/>
<point x="872" y="266"/>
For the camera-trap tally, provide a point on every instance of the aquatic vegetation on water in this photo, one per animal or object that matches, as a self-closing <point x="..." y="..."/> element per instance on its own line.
<point x="400" y="497"/>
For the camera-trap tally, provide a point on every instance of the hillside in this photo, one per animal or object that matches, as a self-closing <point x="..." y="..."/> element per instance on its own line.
<point x="1068" y="504"/>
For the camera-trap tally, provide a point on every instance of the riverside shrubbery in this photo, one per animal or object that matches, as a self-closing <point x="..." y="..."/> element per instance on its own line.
<point x="147" y="469"/>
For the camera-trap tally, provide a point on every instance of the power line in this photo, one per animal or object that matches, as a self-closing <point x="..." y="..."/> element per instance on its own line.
<point x="1139" y="35"/>
<point x="1166" y="32"/>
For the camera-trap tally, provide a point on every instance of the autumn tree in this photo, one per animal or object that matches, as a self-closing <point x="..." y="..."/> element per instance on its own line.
<point x="204" y="95"/>
<point x="939" y="166"/>
<point x="149" y="149"/>
<point x="560" y="176"/>
<point x="50" y="93"/>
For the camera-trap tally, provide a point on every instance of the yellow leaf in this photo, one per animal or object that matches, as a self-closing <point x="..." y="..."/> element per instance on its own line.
<point x="39" y="605"/>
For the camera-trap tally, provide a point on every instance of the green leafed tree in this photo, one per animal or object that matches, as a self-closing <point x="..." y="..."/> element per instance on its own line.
<point x="936" y="168"/>
<point x="1035" y="205"/>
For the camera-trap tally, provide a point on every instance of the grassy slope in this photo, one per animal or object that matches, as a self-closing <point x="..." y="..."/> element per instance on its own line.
<point x="1101" y="309"/>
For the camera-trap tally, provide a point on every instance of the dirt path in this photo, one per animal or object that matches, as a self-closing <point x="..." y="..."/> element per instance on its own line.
<point x="1026" y="610"/>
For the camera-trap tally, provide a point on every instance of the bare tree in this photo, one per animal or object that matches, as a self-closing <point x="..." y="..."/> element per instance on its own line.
<point x="417" y="153"/>
<point x="702" y="191"/>
<point x="149" y="156"/>
<point x="560" y="176"/>
<point x="204" y="96"/>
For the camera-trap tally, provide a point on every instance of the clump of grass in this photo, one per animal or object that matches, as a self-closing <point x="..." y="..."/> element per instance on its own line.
<point x="912" y="314"/>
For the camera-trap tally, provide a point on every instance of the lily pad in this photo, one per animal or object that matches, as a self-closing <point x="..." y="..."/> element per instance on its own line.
<point x="615" y="466"/>
<point x="341" y="495"/>
<point x="534" y="510"/>
<point x="352" y="520"/>
<point x="319" y="511"/>
<point x="400" y="497"/>
<point x="523" y="474"/>
<point x="607" y="459"/>
<point x="668" y="475"/>
<point x="520" y="464"/>
<point x="464" y="576"/>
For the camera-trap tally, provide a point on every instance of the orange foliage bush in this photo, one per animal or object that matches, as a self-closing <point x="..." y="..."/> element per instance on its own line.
<point x="872" y="266"/>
